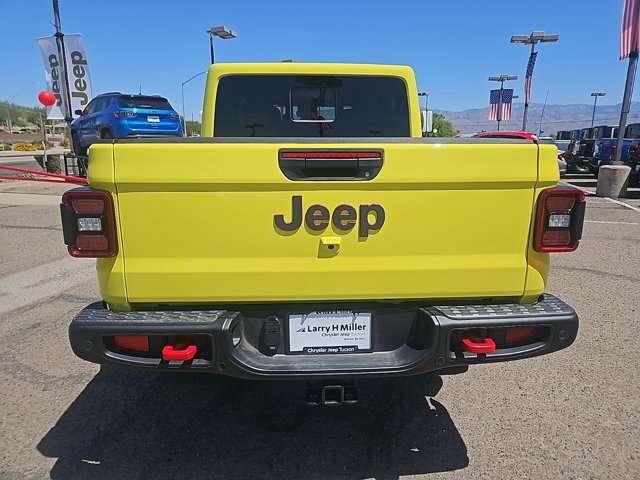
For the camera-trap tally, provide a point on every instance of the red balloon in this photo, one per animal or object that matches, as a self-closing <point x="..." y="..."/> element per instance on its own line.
<point x="46" y="98"/>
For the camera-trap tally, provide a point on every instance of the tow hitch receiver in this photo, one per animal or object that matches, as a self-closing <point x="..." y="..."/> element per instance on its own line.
<point x="485" y="346"/>
<point x="331" y="395"/>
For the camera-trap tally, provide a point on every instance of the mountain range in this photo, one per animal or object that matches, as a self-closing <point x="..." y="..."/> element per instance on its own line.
<point x="556" y="117"/>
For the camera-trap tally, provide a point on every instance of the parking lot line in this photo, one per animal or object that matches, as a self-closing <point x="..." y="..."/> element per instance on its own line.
<point x="613" y="223"/>
<point x="612" y="200"/>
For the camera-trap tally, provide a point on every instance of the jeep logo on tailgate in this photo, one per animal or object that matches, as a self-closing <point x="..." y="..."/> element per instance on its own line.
<point x="344" y="217"/>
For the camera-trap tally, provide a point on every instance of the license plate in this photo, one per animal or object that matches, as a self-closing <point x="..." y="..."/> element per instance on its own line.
<point x="153" y="119"/>
<point x="318" y="333"/>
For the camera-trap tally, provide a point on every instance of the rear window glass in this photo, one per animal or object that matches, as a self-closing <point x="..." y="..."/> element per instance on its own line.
<point x="605" y="132"/>
<point x="563" y="135"/>
<point x="136" y="101"/>
<point x="633" y="131"/>
<point x="586" y="134"/>
<point x="311" y="106"/>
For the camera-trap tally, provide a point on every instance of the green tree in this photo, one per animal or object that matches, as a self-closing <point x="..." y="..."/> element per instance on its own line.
<point x="441" y="127"/>
<point x="21" y="116"/>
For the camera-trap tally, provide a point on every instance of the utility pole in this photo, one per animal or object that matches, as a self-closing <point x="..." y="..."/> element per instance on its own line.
<point x="66" y="97"/>
<point x="628" y="88"/>
<point x="542" y="114"/>
<point x="501" y="79"/>
<point x="595" y="96"/>
<point x="533" y="39"/>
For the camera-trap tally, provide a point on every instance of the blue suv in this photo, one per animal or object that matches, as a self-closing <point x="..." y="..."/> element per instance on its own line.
<point x="118" y="115"/>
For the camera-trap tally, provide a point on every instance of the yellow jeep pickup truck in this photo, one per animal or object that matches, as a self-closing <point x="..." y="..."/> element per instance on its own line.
<point x="313" y="233"/>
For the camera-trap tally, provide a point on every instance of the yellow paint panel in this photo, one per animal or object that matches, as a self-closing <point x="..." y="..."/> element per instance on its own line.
<point x="197" y="224"/>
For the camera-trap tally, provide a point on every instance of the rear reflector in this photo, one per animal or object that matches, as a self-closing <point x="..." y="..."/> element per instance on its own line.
<point x="559" y="220"/>
<point x="137" y="343"/>
<point x="520" y="334"/>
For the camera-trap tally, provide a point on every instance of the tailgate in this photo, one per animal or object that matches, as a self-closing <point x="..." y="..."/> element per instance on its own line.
<point x="198" y="222"/>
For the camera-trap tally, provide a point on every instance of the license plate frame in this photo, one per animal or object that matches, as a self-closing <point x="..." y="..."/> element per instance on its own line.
<point x="153" y="119"/>
<point x="353" y="332"/>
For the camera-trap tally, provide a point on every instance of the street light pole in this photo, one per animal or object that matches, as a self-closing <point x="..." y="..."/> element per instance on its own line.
<point x="184" y="119"/>
<point x="595" y="96"/>
<point x="426" y="99"/>
<point x="501" y="79"/>
<point x="533" y="39"/>
<point x="220" y="31"/>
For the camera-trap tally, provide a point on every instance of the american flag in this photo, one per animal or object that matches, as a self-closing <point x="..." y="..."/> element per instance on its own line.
<point x="629" y="29"/>
<point x="527" y="78"/>
<point x="494" y="104"/>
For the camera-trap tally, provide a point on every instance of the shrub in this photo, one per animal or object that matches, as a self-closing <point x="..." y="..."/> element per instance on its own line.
<point x="38" y="143"/>
<point x="53" y="164"/>
<point x="6" y="146"/>
<point x="25" y="147"/>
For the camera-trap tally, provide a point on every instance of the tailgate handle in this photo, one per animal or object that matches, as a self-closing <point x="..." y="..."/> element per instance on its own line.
<point x="327" y="165"/>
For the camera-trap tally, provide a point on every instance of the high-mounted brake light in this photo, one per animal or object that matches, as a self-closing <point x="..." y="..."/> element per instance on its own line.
<point x="88" y="223"/>
<point x="329" y="154"/>
<point x="559" y="220"/>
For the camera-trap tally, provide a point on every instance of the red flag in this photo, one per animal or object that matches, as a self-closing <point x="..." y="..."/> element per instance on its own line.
<point x="629" y="29"/>
<point x="527" y="77"/>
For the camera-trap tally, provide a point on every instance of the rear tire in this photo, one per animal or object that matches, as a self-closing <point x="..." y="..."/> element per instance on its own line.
<point x="580" y="168"/>
<point x="78" y="149"/>
<point x="106" y="135"/>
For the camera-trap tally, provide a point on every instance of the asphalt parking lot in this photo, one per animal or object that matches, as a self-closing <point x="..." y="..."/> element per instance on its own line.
<point x="573" y="414"/>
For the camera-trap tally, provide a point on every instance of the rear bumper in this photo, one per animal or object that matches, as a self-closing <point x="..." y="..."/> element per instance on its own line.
<point x="407" y="340"/>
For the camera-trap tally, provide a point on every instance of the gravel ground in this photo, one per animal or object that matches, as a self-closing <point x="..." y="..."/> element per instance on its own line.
<point x="573" y="414"/>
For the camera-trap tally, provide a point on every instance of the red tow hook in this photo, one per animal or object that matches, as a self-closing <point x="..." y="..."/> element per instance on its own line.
<point x="170" y="353"/>
<point x="487" y="346"/>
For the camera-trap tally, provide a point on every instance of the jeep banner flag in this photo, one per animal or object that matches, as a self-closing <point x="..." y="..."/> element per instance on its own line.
<point x="77" y="73"/>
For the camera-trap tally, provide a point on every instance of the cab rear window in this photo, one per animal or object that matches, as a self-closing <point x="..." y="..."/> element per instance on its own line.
<point x="311" y="106"/>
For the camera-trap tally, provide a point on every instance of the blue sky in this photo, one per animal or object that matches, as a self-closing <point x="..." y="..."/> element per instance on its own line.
<point x="453" y="46"/>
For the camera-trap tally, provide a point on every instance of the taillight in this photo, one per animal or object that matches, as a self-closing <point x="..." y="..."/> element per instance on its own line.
<point x="124" y="113"/>
<point x="634" y="153"/>
<point x="559" y="220"/>
<point x="174" y="115"/>
<point x="88" y="223"/>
